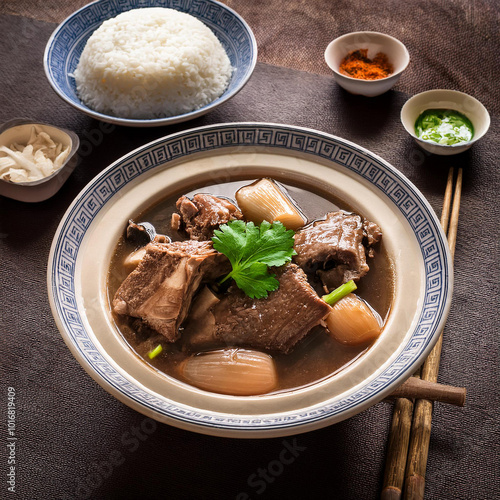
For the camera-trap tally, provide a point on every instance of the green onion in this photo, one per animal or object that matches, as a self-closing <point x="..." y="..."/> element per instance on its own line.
<point x="340" y="292"/>
<point x="444" y="126"/>
<point x="157" y="350"/>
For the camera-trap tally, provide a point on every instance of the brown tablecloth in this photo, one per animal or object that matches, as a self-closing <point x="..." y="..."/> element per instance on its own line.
<point x="77" y="441"/>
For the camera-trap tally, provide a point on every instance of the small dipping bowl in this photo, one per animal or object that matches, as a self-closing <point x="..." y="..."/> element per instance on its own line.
<point x="445" y="99"/>
<point x="396" y="53"/>
<point x="19" y="130"/>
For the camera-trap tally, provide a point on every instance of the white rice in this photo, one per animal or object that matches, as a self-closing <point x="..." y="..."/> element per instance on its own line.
<point x="151" y="63"/>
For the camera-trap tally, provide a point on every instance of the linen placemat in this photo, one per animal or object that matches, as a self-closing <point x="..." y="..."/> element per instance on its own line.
<point x="77" y="441"/>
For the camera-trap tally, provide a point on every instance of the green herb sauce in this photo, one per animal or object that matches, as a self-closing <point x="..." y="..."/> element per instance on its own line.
<point x="444" y="126"/>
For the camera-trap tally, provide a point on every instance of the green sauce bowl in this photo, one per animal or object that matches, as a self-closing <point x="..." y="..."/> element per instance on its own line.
<point x="449" y="100"/>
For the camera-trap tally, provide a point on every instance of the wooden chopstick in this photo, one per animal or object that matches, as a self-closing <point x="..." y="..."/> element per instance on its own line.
<point x="416" y="388"/>
<point x="452" y="231"/>
<point x="445" y="212"/>
<point x="422" y="418"/>
<point x="399" y="435"/>
<point x="397" y="449"/>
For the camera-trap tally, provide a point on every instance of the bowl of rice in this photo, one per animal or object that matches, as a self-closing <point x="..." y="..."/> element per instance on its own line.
<point x="166" y="62"/>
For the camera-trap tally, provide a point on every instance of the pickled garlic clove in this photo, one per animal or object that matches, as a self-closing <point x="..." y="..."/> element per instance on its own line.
<point x="22" y="162"/>
<point x="36" y="160"/>
<point x="238" y="372"/>
<point x="6" y="163"/>
<point x="352" y="322"/>
<point x="264" y="200"/>
<point x="15" y="175"/>
<point x="61" y="158"/>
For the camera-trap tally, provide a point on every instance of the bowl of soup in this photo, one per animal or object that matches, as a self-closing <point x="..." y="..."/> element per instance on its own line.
<point x="214" y="253"/>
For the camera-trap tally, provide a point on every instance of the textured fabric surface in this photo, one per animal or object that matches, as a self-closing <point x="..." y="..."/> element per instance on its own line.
<point x="77" y="441"/>
<point x="452" y="44"/>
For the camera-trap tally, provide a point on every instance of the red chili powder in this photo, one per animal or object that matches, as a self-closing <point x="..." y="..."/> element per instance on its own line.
<point x="357" y="65"/>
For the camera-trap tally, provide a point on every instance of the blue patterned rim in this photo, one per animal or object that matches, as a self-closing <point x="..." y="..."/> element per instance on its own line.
<point x="66" y="44"/>
<point x="385" y="178"/>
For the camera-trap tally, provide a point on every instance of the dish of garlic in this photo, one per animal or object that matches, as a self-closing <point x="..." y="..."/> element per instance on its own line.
<point x="38" y="159"/>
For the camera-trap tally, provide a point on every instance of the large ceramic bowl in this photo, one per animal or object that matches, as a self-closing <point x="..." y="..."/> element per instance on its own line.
<point x="66" y="44"/>
<point x="88" y="233"/>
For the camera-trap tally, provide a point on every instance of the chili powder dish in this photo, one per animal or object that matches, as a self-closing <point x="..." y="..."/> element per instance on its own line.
<point x="357" y="65"/>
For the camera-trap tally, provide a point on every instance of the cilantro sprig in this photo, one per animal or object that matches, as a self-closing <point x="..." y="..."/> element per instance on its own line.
<point x="252" y="250"/>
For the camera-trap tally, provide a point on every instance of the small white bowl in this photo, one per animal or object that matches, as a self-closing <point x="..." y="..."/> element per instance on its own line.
<point x="19" y="130"/>
<point x="445" y="99"/>
<point x="395" y="51"/>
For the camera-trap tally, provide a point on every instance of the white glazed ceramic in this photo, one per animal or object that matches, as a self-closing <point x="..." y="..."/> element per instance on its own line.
<point x="19" y="130"/>
<point x="66" y="44"/>
<point x="89" y="231"/>
<point x="396" y="52"/>
<point x="445" y="99"/>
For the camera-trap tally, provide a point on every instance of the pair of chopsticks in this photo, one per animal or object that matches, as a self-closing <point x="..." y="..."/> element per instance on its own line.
<point x="409" y="437"/>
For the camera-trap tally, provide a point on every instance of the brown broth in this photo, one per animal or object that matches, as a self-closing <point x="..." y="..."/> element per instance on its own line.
<point x="318" y="356"/>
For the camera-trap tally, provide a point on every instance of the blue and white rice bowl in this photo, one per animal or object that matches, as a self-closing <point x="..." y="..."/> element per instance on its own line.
<point x="88" y="233"/>
<point x="66" y="45"/>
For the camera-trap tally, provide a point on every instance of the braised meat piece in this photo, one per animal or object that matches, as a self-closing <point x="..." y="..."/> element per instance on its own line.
<point x="160" y="289"/>
<point x="201" y="215"/>
<point x="275" y="323"/>
<point x="336" y="247"/>
<point x="372" y="234"/>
